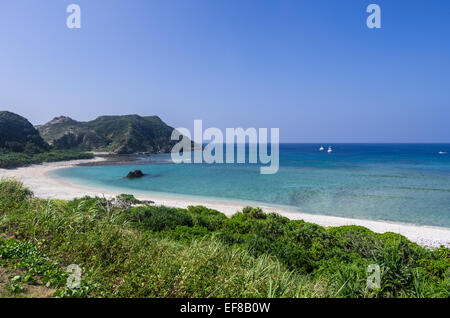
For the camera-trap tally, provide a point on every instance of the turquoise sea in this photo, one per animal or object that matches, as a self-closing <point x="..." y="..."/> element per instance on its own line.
<point x="407" y="183"/>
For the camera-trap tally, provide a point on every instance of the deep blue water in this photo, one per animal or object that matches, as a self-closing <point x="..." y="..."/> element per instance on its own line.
<point x="392" y="182"/>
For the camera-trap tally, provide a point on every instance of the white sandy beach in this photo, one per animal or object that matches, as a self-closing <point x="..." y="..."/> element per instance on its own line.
<point x="38" y="179"/>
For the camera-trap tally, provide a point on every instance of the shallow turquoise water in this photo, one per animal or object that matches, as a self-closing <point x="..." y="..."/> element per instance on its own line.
<point x="393" y="182"/>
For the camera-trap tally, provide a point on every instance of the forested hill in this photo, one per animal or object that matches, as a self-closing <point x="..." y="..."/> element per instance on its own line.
<point x="21" y="144"/>
<point x="118" y="134"/>
<point x="17" y="134"/>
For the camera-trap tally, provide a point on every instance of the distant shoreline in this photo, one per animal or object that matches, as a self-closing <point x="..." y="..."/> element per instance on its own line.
<point x="40" y="181"/>
<point x="108" y="160"/>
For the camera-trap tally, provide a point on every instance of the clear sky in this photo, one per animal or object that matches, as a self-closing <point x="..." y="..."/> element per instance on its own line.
<point x="309" y="67"/>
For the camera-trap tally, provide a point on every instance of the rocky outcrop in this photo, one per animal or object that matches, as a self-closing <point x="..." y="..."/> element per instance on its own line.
<point x="135" y="174"/>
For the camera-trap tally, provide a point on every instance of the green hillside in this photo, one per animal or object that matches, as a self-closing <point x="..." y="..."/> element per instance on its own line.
<point x="119" y="134"/>
<point x="17" y="134"/>
<point x="21" y="144"/>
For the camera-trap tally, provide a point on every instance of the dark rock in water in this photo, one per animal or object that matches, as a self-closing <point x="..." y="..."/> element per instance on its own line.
<point x="135" y="174"/>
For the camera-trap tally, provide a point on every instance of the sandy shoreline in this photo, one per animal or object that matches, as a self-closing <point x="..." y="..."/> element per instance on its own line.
<point x="38" y="179"/>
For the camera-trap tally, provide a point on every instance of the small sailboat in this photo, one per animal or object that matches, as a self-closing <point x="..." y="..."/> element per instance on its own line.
<point x="330" y="150"/>
<point x="321" y="148"/>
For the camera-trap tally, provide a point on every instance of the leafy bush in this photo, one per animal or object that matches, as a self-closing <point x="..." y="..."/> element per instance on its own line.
<point x="158" y="218"/>
<point x="12" y="195"/>
<point x="34" y="266"/>
<point x="128" y="198"/>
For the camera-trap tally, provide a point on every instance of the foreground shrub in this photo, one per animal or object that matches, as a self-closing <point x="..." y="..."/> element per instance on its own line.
<point x="12" y="195"/>
<point x="156" y="251"/>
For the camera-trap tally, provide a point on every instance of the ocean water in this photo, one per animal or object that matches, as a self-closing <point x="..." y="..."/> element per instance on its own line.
<point x="407" y="183"/>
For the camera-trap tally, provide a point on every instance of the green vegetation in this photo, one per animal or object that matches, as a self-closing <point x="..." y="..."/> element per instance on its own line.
<point x="149" y="251"/>
<point x="119" y="134"/>
<point x="128" y="198"/>
<point x="21" y="144"/>
<point x="14" y="159"/>
<point x="35" y="269"/>
<point x="18" y="135"/>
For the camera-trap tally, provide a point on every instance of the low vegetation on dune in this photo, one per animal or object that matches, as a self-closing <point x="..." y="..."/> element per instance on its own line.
<point x="14" y="159"/>
<point x="126" y="249"/>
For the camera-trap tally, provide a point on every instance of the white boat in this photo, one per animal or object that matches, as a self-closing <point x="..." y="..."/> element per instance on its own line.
<point x="321" y="148"/>
<point x="442" y="152"/>
<point x="330" y="150"/>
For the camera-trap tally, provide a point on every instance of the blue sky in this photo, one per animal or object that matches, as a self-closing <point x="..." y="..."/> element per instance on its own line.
<point x="309" y="67"/>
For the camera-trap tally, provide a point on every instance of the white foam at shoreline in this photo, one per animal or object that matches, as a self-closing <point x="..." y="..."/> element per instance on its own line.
<point x="39" y="180"/>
